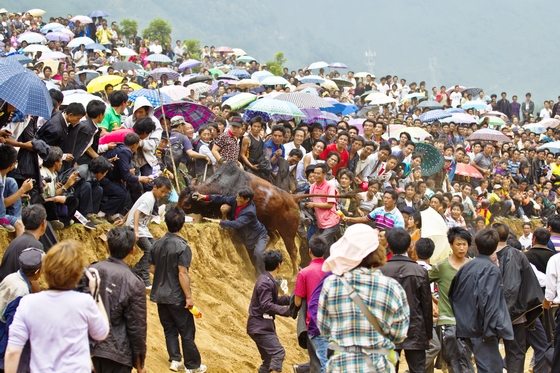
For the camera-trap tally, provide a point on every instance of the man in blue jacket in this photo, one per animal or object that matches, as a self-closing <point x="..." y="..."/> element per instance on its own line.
<point x="243" y="218"/>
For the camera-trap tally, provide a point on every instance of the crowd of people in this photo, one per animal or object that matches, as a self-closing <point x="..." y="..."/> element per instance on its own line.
<point x="372" y="288"/>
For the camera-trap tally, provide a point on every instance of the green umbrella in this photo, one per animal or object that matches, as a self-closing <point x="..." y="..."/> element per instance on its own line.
<point x="216" y="71"/>
<point x="432" y="160"/>
<point x="240" y="100"/>
<point x="246" y="59"/>
<point x="494" y="121"/>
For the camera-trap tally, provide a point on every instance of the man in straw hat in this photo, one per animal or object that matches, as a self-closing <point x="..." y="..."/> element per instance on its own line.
<point x="361" y="339"/>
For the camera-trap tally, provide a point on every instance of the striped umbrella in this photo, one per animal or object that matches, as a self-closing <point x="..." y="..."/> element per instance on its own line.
<point x="20" y="58"/>
<point x="158" y="58"/>
<point x="270" y="106"/>
<point x="199" y="88"/>
<point x="195" y="114"/>
<point x="171" y="74"/>
<point x="460" y="118"/>
<point x="151" y="95"/>
<point x="240" y="100"/>
<point x="338" y="65"/>
<point x="239" y="74"/>
<point x="430" y="105"/>
<point x="434" y="115"/>
<point x="487" y="134"/>
<point x="304" y="100"/>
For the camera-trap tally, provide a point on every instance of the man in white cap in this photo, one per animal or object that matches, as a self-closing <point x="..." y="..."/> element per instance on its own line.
<point x="359" y="339"/>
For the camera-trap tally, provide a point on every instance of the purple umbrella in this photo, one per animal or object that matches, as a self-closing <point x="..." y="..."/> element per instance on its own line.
<point x="57" y="36"/>
<point x="338" y="65"/>
<point x="195" y="114"/>
<point x="189" y="64"/>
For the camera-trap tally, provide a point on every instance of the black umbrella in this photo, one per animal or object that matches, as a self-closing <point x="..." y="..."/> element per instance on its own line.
<point x="125" y="65"/>
<point x="363" y="112"/>
<point x="473" y="91"/>
<point x="199" y="78"/>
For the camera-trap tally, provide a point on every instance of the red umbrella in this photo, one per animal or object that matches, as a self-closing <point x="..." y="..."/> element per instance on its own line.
<point x="467" y="170"/>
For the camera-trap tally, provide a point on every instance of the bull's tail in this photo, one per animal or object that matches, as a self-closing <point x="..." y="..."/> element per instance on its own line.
<point x="297" y="197"/>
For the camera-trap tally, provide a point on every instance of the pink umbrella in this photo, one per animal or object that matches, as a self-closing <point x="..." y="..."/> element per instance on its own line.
<point x="223" y="49"/>
<point x="451" y="89"/>
<point x="467" y="170"/>
<point x="57" y="36"/>
<point x="549" y="123"/>
<point x="82" y="19"/>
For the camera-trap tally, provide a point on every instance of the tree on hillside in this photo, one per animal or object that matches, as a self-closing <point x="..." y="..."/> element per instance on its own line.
<point x="159" y="29"/>
<point x="193" y="47"/>
<point x="275" y="66"/>
<point x="128" y="28"/>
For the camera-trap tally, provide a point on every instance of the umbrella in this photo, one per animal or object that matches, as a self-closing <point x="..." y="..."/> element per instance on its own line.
<point x="553" y="147"/>
<point x="238" y="51"/>
<point x="82" y="19"/>
<point x="338" y="107"/>
<point x="36" y="12"/>
<point x="51" y="27"/>
<point x="270" y="106"/>
<point x="126" y="52"/>
<point x="247" y="83"/>
<point x="430" y="105"/>
<point x="342" y="82"/>
<point x="176" y="92"/>
<point x="90" y="74"/>
<point x="274" y="80"/>
<point x="151" y="95"/>
<point x="301" y="87"/>
<point x="312" y="79"/>
<point x="199" y="88"/>
<point x="467" y="170"/>
<point x="318" y="65"/>
<point x="378" y="98"/>
<point x="363" y="111"/>
<point x="311" y="91"/>
<point x="162" y="58"/>
<point x="495" y="113"/>
<point x="329" y="84"/>
<point x="239" y="74"/>
<point x="476" y="104"/>
<point x="416" y="95"/>
<point x="473" y="91"/>
<point x="338" y="65"/>
<point x="199" y="78"/>
<point x="189" y="64"/>
<point x="324" y="119"/>
<point x="67" y="32"/>
<point x="52" y="56"/>
<point x="260" y="75"/>
<point x="432" y="160"/>
<point x="36" y="48"/>
<point x="451" y="89"/>
<point x="20" y="58"/>
<point x="98" y="13"/>
<point x="215" y="71"/>
<point x="57" y="36"/>
<point x="157" y="73"/>
<point x="363" y="75"/>
<point x="460" y="118"/>
<point x="304" y="100"/>
<point x="414" y="132"/>
<point x="487" y="134"/>
<point x="223" y="49"/>
<point x="434" y="115"/>
<point x="99" y="83"/>
<point x="31" y="37"/>
<point x="125" y="65"/>
<point x="95" y="46"/>
<point x="492" y="121"/>
<point x="83" y="99"/>
<point x="79" y="41"/>
<point x="240" y="100"/>
<point x="549" y="123"/>
<point x="246" y="59"/>
<point x="50" y="63"/>
<point x="23" y="89"/>
<point x="50" y="85"/>
<point x="436" y="230"/>
<point x="454" y="110"/>
<point x="195" y="114"/>
<point x="133" y="86"/>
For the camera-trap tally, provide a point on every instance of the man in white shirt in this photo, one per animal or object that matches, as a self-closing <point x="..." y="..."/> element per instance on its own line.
<point x="455" y="97"/>
<point x="383" y="87"/>
<point x="156" y="48"/>
<point x="179" y="49"/>
<point x="80" y="57"/>
<point x="546" y="112"/>
<point x="526" y="239"/>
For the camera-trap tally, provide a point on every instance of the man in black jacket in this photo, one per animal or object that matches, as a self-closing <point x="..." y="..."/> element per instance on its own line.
<point x="414" y="279"/>
<point x="124" y="297"/>
<point x="83" y="138"/>
<point x="540" y="253"/>
<point x="523" y="297"/>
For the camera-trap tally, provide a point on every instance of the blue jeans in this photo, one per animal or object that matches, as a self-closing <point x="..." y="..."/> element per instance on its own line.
<point x="486" y="354"/>
<point x="12" y="213"/>
<point x="320" y="344"/>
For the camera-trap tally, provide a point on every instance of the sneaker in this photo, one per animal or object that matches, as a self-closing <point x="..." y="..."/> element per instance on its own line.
<point x="5" y="223"/>
<point x="94" y="219"/>
<point x="200" y="369"/>
<point x="525" y="219"/>
<point x="56" y="224"/>
<point x="176" y="365"/>
<point x="90" y="225"/>
<point x="113" y="218"/>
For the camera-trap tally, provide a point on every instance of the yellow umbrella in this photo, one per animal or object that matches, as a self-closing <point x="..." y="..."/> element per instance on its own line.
<point x="134" y="86"/>
<point x="329" y="84"/>
<point x="50" y="63"/>
<point x="36" y="12"/>
<point x="247" y="83"/>
<point x="435" y="229"/>
<point x="99" y="83"/>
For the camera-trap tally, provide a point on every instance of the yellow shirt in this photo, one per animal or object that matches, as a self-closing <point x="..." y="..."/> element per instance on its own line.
<point x="556" y="171"/>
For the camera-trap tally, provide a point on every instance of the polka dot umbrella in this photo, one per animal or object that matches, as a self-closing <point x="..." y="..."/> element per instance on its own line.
<point x="432" y="159"/>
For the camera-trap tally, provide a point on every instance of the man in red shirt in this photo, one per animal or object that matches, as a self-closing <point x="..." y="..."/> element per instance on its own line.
<point x="306" y="282"/>
<point x="226" y="146"/>
<point x="340" y="147"/>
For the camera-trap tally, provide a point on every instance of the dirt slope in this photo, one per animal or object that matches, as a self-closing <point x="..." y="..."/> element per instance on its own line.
<point x="222" y="281"/>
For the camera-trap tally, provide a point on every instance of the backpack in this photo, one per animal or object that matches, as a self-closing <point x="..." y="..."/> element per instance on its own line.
<point x="175" y="150"/>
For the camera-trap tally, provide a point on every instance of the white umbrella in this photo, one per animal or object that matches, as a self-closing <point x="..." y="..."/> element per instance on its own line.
<point x="36" y="12"/>
<point x="274" y="80"/>
<point x="31" y="37"/>
<point x="318" y="65"/>
<point x="66" y="31"/>
<point x="82" y="19"/>
<point x="36" y="48"/>
<point x="434" y="227"/>
<point x="52" y="56"/>
<point x="79" y="41"/>
<point x="363" y="74"/>
<point x="199" y="88"/>
<point x="126" y="52"/>
<point x="90" y="74"/>
<point x="260" y="75"/>
<point x="378" y="98"/>
<point x="83" y="99"/>
<point x="239" y="52"/>
<point x="176" y="92"/>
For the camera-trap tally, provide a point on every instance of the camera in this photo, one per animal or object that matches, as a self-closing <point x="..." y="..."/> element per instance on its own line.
<point x="47" y="179"/>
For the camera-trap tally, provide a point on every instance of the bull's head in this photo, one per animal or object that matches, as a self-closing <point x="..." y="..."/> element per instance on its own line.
<point x="185" y="197"/>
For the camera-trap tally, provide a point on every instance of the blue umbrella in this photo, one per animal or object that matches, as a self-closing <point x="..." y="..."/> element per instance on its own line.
<point x="341" y="108"/>
<point x="95" y="46"/>
<point x="239" y="73"/>
<point x="261" y="75"/>
<point x="476" y="104"/>
<point x="98" y="13"/>
<point x="553" y="147"/>
<point x="535" y="128"/>
<point x="434" y="115"/>
<point x="23" y="89"/>
<point x="229" y="95"/>
<point x="51" y="27"/>
<point x="151" y="95"/>
<point x="21" y="58"/>
<point x="315" y="79"/>
<point x="455" y="110"/>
